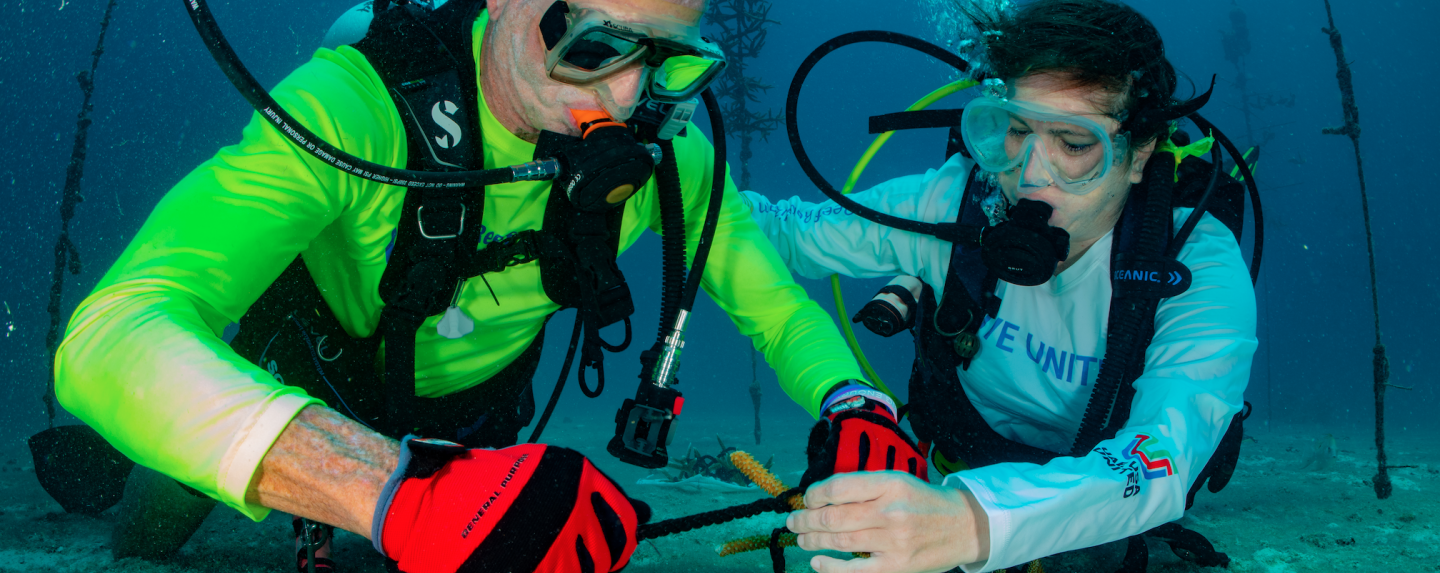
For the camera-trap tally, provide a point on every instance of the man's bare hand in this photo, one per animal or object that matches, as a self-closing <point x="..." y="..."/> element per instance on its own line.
<point x="328" y="468"/>
<point x="907" y="526"/>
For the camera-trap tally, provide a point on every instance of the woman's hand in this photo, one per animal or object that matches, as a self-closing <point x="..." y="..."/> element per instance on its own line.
<point x="907" y="526"/>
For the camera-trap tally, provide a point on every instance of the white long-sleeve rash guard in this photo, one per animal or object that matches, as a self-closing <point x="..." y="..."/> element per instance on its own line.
<point x="1040" y="356"/>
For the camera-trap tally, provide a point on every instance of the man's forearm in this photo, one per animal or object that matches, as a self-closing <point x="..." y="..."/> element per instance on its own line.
<point x="979" y="527"/>
<point x="328" y="468"/>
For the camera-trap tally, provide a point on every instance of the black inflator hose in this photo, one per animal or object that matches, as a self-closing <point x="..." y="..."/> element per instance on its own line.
<point x="1188" y="227"/>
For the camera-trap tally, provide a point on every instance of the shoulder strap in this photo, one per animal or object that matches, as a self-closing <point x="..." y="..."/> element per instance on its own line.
<point x="1137" y="234"/>
<point x="425" y="59"/>
<point x="969" y="293"/>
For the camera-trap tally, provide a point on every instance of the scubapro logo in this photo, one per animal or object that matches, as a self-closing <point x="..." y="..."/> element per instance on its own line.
<point x="443" y="119"/>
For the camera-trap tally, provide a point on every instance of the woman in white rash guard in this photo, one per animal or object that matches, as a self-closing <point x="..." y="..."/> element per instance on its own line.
<point x="1078" y="102"/>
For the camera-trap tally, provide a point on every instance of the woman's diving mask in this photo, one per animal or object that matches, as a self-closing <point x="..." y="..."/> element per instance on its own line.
<point x="585" y="47"/>
<point x="1049" y="146"/>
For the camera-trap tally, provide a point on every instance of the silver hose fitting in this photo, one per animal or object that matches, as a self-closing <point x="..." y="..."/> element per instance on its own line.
<point x="537" y="170"/>
<point x="669" y="362"/>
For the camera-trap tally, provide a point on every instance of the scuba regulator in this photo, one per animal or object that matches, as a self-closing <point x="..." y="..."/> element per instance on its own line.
<point x="1024" y="249"/>
<point x="606" y="166"/>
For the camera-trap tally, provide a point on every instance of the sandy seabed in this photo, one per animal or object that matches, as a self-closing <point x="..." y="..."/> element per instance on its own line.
<point x="1276" y="515"/>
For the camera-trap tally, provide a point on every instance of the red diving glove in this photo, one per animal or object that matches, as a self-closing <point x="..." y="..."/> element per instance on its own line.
<point x="524" y="508"/>
<point x="859" y="432"/>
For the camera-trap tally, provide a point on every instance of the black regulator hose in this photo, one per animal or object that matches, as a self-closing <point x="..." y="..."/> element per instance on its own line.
<point x="946" y="231"/>
<point x="305" y="139"/>
<point x="672" y="236"/>
<point x="1209" y="128"/>
<point x="712" y="211"/>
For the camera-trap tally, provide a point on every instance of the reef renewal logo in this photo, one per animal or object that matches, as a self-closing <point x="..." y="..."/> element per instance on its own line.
<point x="1153" y="463"/>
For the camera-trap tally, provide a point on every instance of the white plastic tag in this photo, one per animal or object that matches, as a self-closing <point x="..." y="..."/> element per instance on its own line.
<point x="455" y="323"/>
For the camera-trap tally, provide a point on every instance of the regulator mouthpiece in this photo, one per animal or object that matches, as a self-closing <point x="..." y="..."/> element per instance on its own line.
<point x="1025" y="250"/>
<point x="608" y="165"/>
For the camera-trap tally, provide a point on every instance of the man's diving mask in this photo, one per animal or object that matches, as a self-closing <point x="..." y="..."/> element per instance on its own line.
<point x="584" y="46"/>
<point x="1073" y="152"/>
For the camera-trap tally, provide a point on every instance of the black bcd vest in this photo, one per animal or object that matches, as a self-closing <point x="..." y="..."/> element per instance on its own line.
<point x="425" y="59"/>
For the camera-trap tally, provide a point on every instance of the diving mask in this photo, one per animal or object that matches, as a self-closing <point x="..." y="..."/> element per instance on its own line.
<point x="1072" y="151"/>
<point x="585" y="46"/>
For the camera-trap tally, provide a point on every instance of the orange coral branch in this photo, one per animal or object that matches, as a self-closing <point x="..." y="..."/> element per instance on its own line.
<point x="763" y="478"/>
<point x="753" y="543"/>
<point x="757" y="473"/>
<point x="773" y="486"/>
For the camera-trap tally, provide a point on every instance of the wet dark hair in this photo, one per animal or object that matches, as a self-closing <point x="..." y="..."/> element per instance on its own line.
<point x="1090" y="43"/>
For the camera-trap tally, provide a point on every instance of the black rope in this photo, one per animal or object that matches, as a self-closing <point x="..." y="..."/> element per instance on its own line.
<point x="1380" y="363"/>
<point x="67" y="257"/>
<point x="777" y="504"/>
<point x="704" y="463"/>
<point x="777" y="551"/>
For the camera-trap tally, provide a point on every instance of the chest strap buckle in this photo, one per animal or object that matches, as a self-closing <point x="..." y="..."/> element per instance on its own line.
<point x="514" y="250"/>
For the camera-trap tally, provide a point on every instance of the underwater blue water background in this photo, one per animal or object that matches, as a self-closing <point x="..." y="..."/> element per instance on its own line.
<point x="162" y="107"/>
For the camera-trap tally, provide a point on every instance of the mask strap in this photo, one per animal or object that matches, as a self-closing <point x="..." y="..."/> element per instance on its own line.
<point x="1147" y="119"/>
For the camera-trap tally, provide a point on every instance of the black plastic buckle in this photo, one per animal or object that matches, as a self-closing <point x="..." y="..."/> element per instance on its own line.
<point x="614" y="304"/>
<point x="516" y="249"/>
<point x="644" y="427"/>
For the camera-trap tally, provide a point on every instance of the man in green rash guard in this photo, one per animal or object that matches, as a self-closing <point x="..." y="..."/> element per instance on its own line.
<point x="144" y="364"/>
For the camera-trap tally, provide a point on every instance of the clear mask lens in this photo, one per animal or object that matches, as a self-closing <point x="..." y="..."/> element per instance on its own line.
<point x="679" y="78"/>
<point x="1069" y="151"/>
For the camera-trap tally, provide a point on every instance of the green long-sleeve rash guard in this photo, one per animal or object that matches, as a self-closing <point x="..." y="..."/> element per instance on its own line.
<point x="143" y="362"/>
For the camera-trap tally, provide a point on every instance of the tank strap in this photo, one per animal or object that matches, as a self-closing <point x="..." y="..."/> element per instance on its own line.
<point x="969" y="294"/>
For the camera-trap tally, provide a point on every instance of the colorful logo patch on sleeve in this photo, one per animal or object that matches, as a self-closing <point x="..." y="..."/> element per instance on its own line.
<point x="1154" y="463"/>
